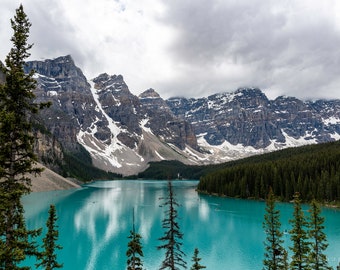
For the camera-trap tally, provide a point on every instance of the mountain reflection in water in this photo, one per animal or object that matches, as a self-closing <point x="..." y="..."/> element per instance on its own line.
<point x="95" y="221"/>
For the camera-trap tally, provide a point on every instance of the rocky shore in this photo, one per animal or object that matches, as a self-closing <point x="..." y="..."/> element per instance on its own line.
<point x="49" y="180"/>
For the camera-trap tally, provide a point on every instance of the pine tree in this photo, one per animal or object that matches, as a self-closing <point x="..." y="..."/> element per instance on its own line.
<point x="16" y="100"/>
<point x="172" y="235"/>
<point x="299" y="237"/>
<point x="285" y="259"/>
<point x="274" y="257"/>
<point x="196" y="261"/>
<point x="16" y="148"/>
<point x="15" y="243"/>
<point x="48" y="257"/>
<point x="317" y="259"/>
<point x="135" y="250"/>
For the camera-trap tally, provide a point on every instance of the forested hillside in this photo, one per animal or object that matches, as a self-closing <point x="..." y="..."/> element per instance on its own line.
<point x="313" y="170"/>
<point x="173" y="169"/>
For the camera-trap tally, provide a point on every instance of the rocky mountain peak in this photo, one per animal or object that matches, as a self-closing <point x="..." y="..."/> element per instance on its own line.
<point x="152" y="101"/>
<point x="59" y="67"/>
<point x="59" y="74"/>
<point x="61" y="82"/>
<point x="251" y="97"/>
<point x="113" y="83"/>
<point x="247" y="117"/>
<point x="150" y="94"/>
<point x="249" y="91"/>
<point x="287" y="100"/>
<point x="64" y="60"/>
<point x="123" y="132"/>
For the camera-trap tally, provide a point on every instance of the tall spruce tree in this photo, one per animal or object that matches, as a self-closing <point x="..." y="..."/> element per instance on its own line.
<point x="286" y="263"/>
<point x="299" y="237"/>
<point x="172" y="234"/>
<point x="48" y="257"/>
<point x="274" y="257"/>
<point x="16" y="148"/>
<point x="196" y="261"/>
<point x="16" y="100"/>
<point x="135" y="250"/>
<point x="317" y="258"/>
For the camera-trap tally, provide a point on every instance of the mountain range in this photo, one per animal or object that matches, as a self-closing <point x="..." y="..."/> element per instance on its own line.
<point x="123" y="132"/>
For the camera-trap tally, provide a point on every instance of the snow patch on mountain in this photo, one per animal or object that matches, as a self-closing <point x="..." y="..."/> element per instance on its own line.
<point x="331" y="121"/>
<point x="143" y="125"/>
<point x="161" y="158"/>
<point x="113" y="154"/>
<point x="52" y="93"/>
<point x="49" y="82"/>
<point x="225" y="151"/>
<point x="113" y="127"/>
<point x="335" y="136"/>
<point x="123" y="132"/>
<point x="293" y="142"/>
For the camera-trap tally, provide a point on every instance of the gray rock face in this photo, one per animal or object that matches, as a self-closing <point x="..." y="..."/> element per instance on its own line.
<point x="248" y="118"/>
<point x="123" y="132"/>
<point x="130" y="111"/>
<point x="104" y="116"/>
<point x="239" y="118"/>
<point x="164" y="123"/>
<point x="120" y="105"/>
<point x="73" y="107"/>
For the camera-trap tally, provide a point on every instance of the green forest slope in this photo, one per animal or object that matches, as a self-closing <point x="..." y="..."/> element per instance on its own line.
<point x="312" y="170"/>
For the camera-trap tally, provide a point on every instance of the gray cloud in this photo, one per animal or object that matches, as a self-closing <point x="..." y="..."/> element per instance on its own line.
<point x="52" y="33"/>
<point x="283" y="46"/>
<point x="193" y="48"/>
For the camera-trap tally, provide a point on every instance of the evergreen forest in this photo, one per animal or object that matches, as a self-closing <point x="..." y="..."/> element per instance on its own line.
<point x="313" y="171"/>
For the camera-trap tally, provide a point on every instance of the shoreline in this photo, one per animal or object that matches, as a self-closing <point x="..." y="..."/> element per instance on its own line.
<point x="324" y="204"/>
<point x="49" y="180"/>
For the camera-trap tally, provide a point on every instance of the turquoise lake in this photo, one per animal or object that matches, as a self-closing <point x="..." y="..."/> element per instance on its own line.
<point x="95" y="221"/>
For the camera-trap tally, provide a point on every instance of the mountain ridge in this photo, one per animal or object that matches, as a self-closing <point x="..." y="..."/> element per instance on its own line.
<point x="124" y="132"/>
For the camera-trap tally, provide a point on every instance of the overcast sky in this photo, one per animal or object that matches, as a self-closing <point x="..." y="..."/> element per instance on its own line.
<point x="192" y="48"/>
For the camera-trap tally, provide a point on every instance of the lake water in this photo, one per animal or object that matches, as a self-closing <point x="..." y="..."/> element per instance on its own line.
<point x="95" y="221"/>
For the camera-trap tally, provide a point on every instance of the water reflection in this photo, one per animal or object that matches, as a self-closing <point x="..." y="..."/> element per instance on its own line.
<point x="95" y="222"/>
<point x="203" y="210"/>
<point x="97" y="208"/>
<point x="112" y="205"/>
